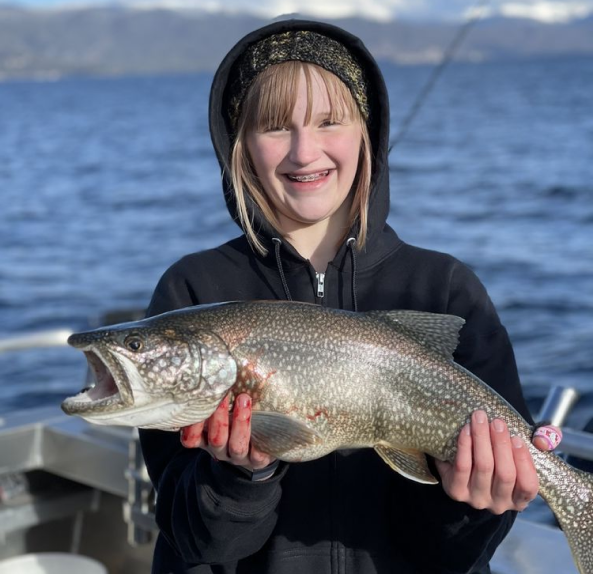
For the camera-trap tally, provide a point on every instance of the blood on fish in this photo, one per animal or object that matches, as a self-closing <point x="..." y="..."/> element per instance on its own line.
<point x="251" y="379"/>
<point x="318" y="414"/>
<point x="313" y="417"/>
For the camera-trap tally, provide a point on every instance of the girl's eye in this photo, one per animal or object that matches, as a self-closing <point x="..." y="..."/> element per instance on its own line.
<point x="275" y="129"/>
<point x="328" y="123"/>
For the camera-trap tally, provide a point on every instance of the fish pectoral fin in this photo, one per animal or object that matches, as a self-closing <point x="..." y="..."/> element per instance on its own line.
<point x="409" y="463"/>
<point x="275" y="433"/>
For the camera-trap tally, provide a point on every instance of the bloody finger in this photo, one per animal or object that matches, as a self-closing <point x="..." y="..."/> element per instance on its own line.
<point x="218" y="426"/>
<point x="240" y="433"/>
<point x="191" y="436"/>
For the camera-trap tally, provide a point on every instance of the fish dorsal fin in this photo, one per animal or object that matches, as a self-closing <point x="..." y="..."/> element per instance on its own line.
<point x="433" y="330"/>
<point x="276" y="434"/>
<point x="411" y="464"/>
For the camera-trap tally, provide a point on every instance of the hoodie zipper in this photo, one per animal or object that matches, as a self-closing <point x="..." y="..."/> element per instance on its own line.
<point x="320" y="284"/>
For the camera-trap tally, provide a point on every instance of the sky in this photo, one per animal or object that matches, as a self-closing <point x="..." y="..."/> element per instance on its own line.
<point x="543" y="10"/>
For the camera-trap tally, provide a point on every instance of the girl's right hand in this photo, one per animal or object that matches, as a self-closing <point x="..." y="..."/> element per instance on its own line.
<point x="226" y="436"/>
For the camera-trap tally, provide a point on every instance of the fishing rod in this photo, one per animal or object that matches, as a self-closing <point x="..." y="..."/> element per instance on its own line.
<point x="448" y="55"/>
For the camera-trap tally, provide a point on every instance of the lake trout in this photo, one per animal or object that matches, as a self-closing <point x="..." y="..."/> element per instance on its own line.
<point x="320" y="380"/>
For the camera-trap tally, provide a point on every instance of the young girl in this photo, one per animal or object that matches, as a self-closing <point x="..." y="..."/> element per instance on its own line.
<point x="299" y="119"/>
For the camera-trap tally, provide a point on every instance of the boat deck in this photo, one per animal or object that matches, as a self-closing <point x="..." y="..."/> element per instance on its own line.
<point x="66" y="486"/>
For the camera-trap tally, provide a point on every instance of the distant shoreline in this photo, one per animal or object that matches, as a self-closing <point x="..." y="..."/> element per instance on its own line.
<point x="50" y="44"/>
<point x="50" y="77"/>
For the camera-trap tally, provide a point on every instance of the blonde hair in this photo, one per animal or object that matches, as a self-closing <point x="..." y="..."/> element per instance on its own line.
<point x="269" y="103"/>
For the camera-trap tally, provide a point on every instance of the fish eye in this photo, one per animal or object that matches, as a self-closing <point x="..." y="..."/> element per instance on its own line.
<point x="134" y="343"/>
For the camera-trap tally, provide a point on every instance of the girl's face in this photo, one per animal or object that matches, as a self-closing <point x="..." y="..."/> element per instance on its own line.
<point x="307" y="169"/>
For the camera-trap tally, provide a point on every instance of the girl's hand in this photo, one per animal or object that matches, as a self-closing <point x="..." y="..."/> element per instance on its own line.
<point x="492" y="470"/>
<point x="226" y="436"/>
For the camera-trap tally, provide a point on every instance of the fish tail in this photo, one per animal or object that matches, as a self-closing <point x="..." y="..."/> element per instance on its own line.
<point x="569" y="493"/>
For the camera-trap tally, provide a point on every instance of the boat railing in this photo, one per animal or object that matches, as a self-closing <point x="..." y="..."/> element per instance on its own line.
<point x="35" y="340"/>
<point x="106" y="459"/>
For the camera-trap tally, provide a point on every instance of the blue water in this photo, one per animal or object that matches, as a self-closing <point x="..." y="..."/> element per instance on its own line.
<point x="104" y="183"/>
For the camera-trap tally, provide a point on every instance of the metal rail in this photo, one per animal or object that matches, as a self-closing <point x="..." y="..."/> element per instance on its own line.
<point x="558" y="404"/>
<point x="35" y="340"/>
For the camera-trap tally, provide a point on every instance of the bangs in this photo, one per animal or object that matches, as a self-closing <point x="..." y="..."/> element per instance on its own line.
<point x="271" y="100"/>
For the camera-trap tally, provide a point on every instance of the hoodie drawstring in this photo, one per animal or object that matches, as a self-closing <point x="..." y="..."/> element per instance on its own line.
<point x="349" y="243"/>
<point x="277" y="244"/>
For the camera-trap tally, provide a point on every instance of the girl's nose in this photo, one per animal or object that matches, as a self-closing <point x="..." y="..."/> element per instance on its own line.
<point x="304" y="147"/>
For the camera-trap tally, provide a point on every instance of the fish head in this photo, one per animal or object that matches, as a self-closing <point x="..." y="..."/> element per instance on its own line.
<point x="152" y="374"/>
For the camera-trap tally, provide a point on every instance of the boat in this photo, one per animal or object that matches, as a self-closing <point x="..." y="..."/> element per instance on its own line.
<point x="70" y="487"/>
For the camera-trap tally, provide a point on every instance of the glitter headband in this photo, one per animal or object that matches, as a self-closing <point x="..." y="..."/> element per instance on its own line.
<point x="304" y="46"/>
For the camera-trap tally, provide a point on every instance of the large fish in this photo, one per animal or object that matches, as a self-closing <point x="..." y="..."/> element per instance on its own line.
<point x="320" y="380"/>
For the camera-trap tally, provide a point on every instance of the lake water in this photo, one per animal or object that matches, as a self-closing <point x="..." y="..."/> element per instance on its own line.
<point x="104" y="183"/>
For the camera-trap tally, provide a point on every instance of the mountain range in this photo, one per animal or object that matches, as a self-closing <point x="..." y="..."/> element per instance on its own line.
<point x="108" y="41"/>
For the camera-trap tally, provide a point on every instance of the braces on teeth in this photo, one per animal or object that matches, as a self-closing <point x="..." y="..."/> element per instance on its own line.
<point x="309" y="177"/>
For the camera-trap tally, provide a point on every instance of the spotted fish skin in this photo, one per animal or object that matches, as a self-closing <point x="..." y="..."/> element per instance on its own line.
<point x="320" y="380"/>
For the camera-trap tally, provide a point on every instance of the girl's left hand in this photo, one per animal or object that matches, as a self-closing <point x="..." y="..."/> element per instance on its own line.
<point x="492" y="470"/>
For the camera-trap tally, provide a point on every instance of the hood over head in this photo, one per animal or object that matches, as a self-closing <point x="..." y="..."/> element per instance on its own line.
<point x="343" y="54"/>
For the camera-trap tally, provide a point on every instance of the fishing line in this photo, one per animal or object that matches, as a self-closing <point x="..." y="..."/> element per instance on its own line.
<point x="448" y="55"/>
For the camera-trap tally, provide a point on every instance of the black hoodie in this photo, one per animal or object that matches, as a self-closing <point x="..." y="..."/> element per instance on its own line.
<point x="346" y="512"/>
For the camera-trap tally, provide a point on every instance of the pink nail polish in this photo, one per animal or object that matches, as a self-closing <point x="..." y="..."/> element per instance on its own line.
<point x="550" y="434"/>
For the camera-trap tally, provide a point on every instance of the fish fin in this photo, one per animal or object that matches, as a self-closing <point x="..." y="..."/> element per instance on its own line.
<point x="409" y="463"/>
<point x="569" y="493"/>
<point x="433" y="330"/>
<point x="275" y="433"/>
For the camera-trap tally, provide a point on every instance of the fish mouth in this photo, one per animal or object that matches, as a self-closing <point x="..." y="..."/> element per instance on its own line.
<point x="111" y="390"/>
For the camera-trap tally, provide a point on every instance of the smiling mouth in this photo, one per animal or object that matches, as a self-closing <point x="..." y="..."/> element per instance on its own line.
<point x="308" y="177"/>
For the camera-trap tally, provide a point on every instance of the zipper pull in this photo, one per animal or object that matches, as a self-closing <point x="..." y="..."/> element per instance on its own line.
<point x="320" y="284"/>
